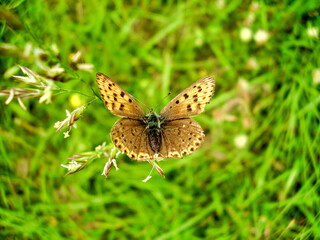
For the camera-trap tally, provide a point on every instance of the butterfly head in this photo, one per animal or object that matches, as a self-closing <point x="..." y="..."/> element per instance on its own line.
<point x="153" y="120"/>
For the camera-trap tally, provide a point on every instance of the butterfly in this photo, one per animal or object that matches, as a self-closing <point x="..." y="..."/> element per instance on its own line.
<point x="170" y="134"/>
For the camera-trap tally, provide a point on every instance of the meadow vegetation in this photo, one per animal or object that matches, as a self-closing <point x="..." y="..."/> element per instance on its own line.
<point x="256" y="176"/>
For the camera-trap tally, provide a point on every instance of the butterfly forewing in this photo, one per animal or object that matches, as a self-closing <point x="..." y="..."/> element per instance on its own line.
<point x="191" y="101"/>
<point x="118" y="101"/>
<point x="180" y="137"/>
<point x="129" y="136"/>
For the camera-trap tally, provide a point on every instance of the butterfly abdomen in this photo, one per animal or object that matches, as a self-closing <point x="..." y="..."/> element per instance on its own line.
<point x="154" y="136"/>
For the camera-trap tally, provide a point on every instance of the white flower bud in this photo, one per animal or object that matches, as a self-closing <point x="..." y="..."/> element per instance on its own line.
<point x="261" y="37"/>
<point x="313" y="32"/>
<point x="241" y="141"/>
<point x="245" y="34"/>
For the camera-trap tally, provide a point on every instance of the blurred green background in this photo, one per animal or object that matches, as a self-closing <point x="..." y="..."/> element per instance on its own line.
<point x="256" y="176"/>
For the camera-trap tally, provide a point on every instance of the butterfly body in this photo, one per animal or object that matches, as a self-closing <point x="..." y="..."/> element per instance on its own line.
<point x="154" y="130"/>
<point x="170" y="134"/>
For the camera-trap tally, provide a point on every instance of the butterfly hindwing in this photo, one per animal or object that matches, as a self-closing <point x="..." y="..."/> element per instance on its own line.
<point x="191" y="101"/>
<point x="129" y="136"/>
<point x="179" y="137"/>
<point x="118" y="101"/>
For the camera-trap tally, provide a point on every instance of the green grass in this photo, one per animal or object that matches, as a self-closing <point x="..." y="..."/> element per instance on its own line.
<point x="267" y="190"/>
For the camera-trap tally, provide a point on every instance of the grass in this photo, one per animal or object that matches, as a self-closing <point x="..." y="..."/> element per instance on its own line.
<point x="268" y="189"/>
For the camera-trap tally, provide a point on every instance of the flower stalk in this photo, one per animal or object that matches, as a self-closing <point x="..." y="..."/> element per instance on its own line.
<point x="70" y="120"/>
<point x="80" y="161"/>
<point x="155" y="165"/>
<point x="40" y="87"/>
<point x="111" y="162"/>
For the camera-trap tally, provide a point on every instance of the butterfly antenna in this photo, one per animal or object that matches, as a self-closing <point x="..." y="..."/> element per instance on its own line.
<point x="141" y="102"/>
<point x="162" y="100"/>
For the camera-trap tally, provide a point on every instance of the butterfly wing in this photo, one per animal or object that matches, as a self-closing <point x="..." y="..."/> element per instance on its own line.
<point x="191" y="101"/>
<point x="117" y="100"/>
<point x="130" y="137"/>
<point x="179" y="137"/>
